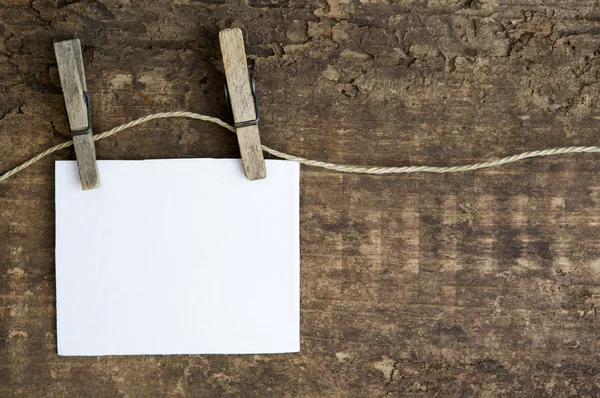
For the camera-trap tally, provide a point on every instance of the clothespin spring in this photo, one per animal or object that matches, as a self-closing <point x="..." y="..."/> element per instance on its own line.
<point x="86" y="99"/>
<point x="254" y="97"/>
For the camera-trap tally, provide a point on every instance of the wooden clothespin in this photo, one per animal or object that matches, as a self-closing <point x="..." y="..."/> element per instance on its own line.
<point x="241" y="93"/>
<point x="77" y="101"/>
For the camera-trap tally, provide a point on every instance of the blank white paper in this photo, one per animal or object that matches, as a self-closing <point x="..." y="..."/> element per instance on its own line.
<point x="182" y="256"/>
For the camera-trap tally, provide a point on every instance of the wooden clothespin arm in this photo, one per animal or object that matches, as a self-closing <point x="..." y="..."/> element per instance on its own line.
<point x="244" y="106"/>
<point x="77" y="102"/>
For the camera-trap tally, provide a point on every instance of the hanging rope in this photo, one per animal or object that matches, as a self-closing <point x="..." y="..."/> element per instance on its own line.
<point x="315" y="163"/>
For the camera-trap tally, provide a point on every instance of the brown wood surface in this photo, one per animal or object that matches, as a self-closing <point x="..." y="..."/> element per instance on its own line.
<point x="483" y="283"/>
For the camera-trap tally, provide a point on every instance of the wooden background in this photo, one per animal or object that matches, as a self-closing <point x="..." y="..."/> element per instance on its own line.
<point x="483" y="283"/>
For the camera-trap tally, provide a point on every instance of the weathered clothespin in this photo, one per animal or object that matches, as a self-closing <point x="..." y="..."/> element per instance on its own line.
<point x="77" y="101"/>
<point x="241" y="93"/>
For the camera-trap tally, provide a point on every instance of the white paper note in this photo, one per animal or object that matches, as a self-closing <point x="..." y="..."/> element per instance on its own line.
<point x="178" y="257"/>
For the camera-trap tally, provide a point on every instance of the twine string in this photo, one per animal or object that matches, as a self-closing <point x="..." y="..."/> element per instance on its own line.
<point x="315" y="163"/>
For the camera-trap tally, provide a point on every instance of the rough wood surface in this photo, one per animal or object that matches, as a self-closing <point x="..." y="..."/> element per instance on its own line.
<point x="484" y="283"/>
<point x="242" y="102"/>
<point x="69" y="61"/>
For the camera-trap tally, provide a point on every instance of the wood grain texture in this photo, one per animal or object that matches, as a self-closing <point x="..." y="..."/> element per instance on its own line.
<point x="242" y="102"/>
<point x="476" y="284"/>
<point x="72" y="77"/>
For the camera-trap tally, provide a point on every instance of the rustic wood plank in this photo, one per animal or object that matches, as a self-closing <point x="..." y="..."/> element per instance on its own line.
<point x="242" y="102"/>
<point x="72" y="78"/>
<point x="474" y="284"/>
